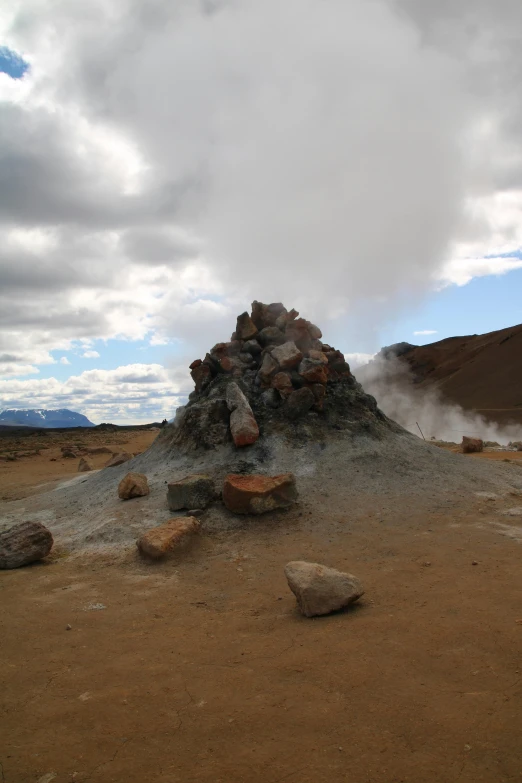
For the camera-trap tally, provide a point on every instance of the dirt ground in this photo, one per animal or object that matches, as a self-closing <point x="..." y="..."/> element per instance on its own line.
<point x="201" y="669"/>
<point x="32" y="473"/>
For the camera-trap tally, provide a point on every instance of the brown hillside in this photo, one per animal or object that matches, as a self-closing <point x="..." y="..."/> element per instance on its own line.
<point x="479" y="372"/>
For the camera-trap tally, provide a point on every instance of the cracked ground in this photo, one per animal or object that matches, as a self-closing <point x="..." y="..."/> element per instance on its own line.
<point x="201" y="669"/>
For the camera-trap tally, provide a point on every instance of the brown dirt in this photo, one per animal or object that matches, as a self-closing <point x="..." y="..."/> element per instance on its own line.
<point x="481" y="373"/>
<point x="29" y="475"/>
<point x="200" y="668"/>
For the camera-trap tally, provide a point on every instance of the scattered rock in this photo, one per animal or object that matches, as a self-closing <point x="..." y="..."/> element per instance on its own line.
<point x="299" y="402"/>
<point x="195" y="491"/>
<point x="243" y="425"/>
<point x="320" y="590"/>
<point x="98" y="450"/>
<point x="118" y="459"/>
<point x="256" y="494"/>
<point x="24" y="543"/>
<point x="472" y="445"/>
<point x="133" y="485"/>
<point x="161" y="540"/>
<point x="84" y="465"/>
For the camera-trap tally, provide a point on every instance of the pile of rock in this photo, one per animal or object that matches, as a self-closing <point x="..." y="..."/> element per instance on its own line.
<point x="274" y="369"/>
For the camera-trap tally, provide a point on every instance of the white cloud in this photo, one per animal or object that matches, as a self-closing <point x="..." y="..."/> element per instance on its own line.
<point x="90" y="355"/>
<point x="135" y="392"/>
<point x="64" y="360"/>
<point x="461" y="271"/>
<point x="356" y="360"/>
<point x="425" y="332"/>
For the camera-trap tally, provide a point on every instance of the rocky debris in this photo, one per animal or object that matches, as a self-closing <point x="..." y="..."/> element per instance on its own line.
<point x="161" y="540"/>
<point x="85" y="465"/>
<point x="69" y="453"/>
<point x="271" y="350"/>
<point x="256" y="494"/>
<point x="133" y="485"/>
<point x="98" y="450"/>
<point x="243" y="425"/>
<point x="472" y="445"/>
<point x="24" y="543"/>
<point x="319" y="589"/>
<point x="118" y="459"/>
<point x="195" y="491"/>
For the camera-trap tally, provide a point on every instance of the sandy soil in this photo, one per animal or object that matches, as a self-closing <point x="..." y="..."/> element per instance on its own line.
<point x="35" y="473"/>
<point x="201" y="669"/>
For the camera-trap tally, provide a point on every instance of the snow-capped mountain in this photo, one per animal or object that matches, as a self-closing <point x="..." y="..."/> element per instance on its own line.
<point x="44" y="418"/>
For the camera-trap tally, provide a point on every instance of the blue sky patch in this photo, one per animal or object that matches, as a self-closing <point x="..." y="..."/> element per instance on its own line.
<point x="12" y="63"/>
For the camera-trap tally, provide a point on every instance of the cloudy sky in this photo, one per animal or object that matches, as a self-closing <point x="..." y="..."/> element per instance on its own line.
<point x="164" y="163"/>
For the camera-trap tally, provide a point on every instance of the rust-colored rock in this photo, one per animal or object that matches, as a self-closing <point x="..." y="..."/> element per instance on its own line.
<point x="85" y="465"/>
<point x="159" y="541"/>
<point x="133" y="485"/>
<point x="287" y="355"/>
<point x="472" y="445"/>
<point x="266" y="315"/>
<point x="256" y="494"/>
<point x="283" y="383"/>
<point x="245" y="327"/>
<point x="313" y="371"/>
<point x="318" y="356"/>
<point x="118" y="459"/>
<point x="303" y="333"/>
<point x="201" y="374"/>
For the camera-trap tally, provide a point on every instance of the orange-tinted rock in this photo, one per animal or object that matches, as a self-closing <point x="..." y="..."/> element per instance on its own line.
<point x="195" y="363"/>
<point x="133" y="485"/>
<point x="118" y="459"/>
<point x="318" y="356"/>
<point x="201" y="375"/>
<point x="313" y="371"/>
<point x="257" y="494"/>
<point x="283" y="383"/>
<point x="472" y="445"/>
<point x="159" y="541"/>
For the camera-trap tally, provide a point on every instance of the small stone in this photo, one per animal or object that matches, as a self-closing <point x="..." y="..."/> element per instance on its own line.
<point x="287" y="355"/>
<point x="320" y="590"/>
<point x="427" y="563"/>
<point x="23" y="544"/>
<point x="133" y="485"/>
<point x="299" y="403"/>
<point x="256" y="494"/>
<point x="68" y="627"/>
<point x="474" y="562"/>
<point x="195" y="491"/>
<point x="161" y="540"/>
<point x="85" y="465"/>
<point x="118" y="459"/>
<point x="245" y="327"/>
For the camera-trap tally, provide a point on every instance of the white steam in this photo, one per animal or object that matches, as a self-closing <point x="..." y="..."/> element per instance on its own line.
<point x="391" y="383"/>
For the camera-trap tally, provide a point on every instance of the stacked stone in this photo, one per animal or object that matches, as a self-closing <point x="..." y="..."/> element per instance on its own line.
<point x="276" y="355"/>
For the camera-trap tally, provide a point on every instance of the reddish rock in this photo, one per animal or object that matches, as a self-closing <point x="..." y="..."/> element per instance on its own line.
<point x="303" y="333"/>
<point x="283" y="383"/>
<point x="195" y="363"/>
<point x="287" y="355"/>
<point x="23" y="544"/>
<point x="118" y="459"/>
<point x="201" y="375"/>
<point x="318" y="356"/>
<point x="472" y="445"/>
<point x="243" y="425"/>
<point x="159" y="541"/>
<point x="266" y="315"/>
<point x="133" y="485"/>
<point x="257" y="494"/>
<point x="245" y="327"/>
<point x="313" y="371"/>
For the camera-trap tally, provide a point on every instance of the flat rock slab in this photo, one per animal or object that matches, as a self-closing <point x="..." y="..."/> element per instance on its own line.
<point x="257" y="494"/>
<point x="23" y="544"/>
<point x="319" y="589"/>
<point x="161" y="540"/>
<point x="195" y="491"/>
<point x="118" y="459"/>
<point x="133" y="485"/>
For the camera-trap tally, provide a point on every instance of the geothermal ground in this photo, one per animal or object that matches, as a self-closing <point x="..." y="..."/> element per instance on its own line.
<point x="200" y="668"/>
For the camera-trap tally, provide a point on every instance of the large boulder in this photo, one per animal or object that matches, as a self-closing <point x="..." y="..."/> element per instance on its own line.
<point x="319" y="589"/>
<point x="257" y="494"/>
<point x="118" y="459"/>
<point x="195" y="491"/>
<point x="133" y="485"/>
<point x="24" y="543"/>
<point x="472" y="445"/>
<point x="161" y="540"/>
<point x="243" y="425"/>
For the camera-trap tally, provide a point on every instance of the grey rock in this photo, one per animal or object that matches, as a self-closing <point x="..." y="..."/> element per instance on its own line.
<point x="320" y="590"/>
<point x="271" y="335"/>
<point x="268" y="367"/>
<point x="24" y="543"/>
<point x="299" y="403"/>
<point x="252" y="347"/>
<point x="287" y="355"/>
<point x="271" y="398"/>
<point x="195" y="491"/>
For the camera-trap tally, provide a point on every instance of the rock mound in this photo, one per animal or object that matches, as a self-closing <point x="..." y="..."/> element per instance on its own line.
<point x="274" y="376"/>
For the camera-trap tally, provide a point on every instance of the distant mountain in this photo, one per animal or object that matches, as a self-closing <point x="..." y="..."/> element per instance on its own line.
<point x="43" y="418"/>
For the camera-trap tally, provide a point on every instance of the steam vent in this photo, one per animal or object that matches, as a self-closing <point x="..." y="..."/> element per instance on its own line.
<point x="274" y="376"/>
